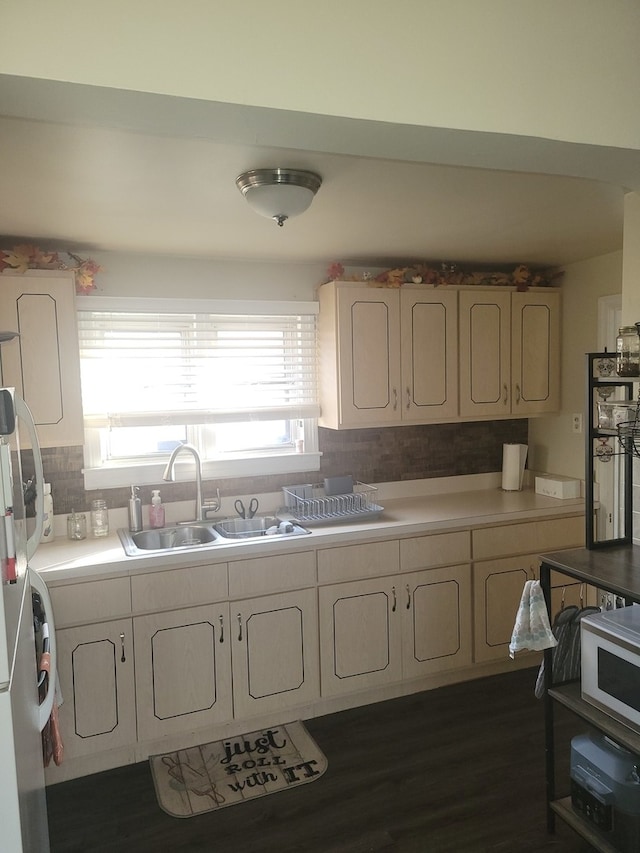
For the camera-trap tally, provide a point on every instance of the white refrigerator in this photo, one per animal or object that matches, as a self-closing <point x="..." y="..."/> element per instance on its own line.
<point x="23" y="808"/>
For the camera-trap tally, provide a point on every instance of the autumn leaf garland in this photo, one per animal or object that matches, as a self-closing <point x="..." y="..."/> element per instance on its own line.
<point x="28" y="257"/>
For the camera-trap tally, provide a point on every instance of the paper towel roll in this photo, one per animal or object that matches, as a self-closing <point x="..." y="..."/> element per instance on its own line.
<point x="514" y="457"/>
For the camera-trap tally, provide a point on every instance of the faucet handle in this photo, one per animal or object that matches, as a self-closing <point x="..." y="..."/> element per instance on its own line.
<point x="211" y="505"/>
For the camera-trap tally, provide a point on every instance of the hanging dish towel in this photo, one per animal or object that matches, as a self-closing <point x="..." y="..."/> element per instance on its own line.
<point x="532" y="630"/>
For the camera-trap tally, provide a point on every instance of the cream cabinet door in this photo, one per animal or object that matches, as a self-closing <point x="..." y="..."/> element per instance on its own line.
<point x="359" y="342"/>
<point x="183" y="670"/>
<point x="498" y="588"/>
<point x="436" y="620"/>
<point x="96" y="669"/>
<point x="44" y="362"/>
<point x="360" y="635"/>
<point x="429" y="356"/>
<point x="369" y="346"/>
<point x="485" y="353"/>
<point x="275" y="652"/>
<point x="535" y="333"/>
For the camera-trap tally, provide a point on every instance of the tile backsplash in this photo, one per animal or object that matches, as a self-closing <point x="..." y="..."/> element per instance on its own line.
<point x="379" y="455"/>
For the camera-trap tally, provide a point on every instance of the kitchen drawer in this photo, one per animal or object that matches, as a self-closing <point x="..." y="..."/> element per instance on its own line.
<point x="535" y="537"/>
<point x="92" y="601"/>
<point x="351" y="562"/>
<point x="176" y="588"/>
<point x="264" y="575"/>
<point x="439" y="549"/>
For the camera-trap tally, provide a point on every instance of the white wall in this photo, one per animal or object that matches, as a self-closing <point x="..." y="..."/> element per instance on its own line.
<point x="553" y="446"/>
<point x="537" y="68"/>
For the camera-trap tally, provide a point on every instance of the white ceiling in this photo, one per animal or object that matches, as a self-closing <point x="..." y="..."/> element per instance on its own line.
<point x="108" y="185"/>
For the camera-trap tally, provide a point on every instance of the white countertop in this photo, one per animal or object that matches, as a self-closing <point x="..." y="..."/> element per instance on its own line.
<point x="62" y="561"/>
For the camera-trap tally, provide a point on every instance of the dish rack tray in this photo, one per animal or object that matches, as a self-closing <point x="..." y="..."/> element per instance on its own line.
<point x="311" y="504"/>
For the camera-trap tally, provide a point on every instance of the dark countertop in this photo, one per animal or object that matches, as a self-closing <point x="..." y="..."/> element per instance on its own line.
<point x="615" y="568"/>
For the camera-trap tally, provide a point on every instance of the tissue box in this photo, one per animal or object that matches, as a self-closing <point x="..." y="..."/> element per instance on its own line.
<point x="558" y="487"/>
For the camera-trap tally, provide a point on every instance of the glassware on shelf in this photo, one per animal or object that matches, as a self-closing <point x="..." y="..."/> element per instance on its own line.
<point x="628" y="351"/>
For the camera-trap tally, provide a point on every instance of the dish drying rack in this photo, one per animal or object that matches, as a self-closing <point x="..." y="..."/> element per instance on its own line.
<point x="311" y="504"/>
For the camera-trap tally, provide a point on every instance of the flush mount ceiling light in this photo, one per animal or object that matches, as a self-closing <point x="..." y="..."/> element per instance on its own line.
<point x="279" y="193"/>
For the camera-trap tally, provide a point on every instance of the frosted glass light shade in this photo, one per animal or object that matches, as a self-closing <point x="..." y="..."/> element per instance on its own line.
<point x="279" y="194"/>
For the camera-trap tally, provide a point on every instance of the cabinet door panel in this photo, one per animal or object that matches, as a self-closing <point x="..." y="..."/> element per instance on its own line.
<point x="95" y="665"/>
<point x="369" y="346"/>
<point x="536" y="352"/>
<point x="182" y="670"/>
<point x="44" y="363"/>
<point x="429" y="355"/>
<point x="436" y="607"/>
<point x="498" y="587"/>
<point x="275" y="652"/>
<point x="485" y="353"/>
<point x="359" y="636"/>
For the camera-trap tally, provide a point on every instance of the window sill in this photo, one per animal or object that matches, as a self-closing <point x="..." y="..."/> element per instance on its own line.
<point x="150" y="474"/>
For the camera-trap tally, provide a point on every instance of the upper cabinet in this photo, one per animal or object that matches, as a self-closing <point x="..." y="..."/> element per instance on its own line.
<point x="421" y="354"/>
<point x="387" y="356"/>
<point x="43" y="363"/>
<point x="509" y="353"/>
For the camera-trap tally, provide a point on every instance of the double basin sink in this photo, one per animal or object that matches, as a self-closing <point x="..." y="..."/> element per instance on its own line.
<point x="208" y="534"/>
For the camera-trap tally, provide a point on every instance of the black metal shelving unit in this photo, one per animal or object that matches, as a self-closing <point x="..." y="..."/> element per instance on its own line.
<point x="613" y="568"/>
<point x="602" y="448"/>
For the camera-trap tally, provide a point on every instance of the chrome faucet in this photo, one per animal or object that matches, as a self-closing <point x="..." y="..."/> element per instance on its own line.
<point x="202" y="510"/>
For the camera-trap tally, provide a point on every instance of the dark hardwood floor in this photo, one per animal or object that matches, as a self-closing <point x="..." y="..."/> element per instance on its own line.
<point x="454" y="770"/>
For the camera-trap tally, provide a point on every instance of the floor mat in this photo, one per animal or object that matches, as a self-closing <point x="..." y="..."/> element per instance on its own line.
<point x="222" y="773"/>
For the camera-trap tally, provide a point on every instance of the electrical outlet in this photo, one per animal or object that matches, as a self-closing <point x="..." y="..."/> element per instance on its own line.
<point x="576" y="419"/>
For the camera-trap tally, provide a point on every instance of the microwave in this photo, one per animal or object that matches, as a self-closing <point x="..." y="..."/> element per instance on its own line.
<point x="610" y="663"/>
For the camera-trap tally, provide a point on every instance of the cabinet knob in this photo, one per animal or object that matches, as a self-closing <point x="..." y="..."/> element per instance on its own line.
<point x="123" y="658"/>
<point x="221" y="640"/>
<point x="518" y="394"/>
<point x="239" y="627"/>
<point x="395" y="399"/>
<point x="393" y="593"/>
<point x="505" y="398"/>
<point x="408" y="398"/>
<point x="408" y="597"/>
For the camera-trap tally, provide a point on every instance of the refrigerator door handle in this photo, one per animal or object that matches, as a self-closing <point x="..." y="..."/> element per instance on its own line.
<point x="44" y="710"/>
<point x="24" y="413"/>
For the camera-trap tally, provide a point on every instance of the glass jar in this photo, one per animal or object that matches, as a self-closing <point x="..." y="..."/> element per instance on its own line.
<point x="76" y="526"/>
<point x="628" y="352"/>
<point x="99" y="518"/>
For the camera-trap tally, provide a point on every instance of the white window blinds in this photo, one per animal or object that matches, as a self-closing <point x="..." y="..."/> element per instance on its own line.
<point x="174" y="367"/>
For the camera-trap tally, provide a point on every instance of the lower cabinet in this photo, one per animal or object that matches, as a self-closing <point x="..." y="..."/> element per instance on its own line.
<point x="275" y="652"/>
<point x="498" y="589"/>
<point x="96" y="669"/>
<point x="436" y="621"/>
<point x="183" y="670"/>
<point x="360" y="635"/>
<point x="376" y="632"/>
<point x="166" y="673"/>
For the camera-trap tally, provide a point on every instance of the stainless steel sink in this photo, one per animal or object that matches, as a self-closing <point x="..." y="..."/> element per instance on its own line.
<point x="258" y="527"/>
<point x="168" y="538"/>
<point x="208" y="535"/>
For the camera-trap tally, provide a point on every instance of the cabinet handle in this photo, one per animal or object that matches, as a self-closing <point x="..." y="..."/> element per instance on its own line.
<point x="395" y="399"/>
<point x="518" y="395"/>
<point x="123" y="658"/>
<point x="393" y="606"/>
<point x="408" y="398"/>
<point x="221" y="640"/>
<point x="239" y="627"/>
<point x="505" y="398"/>
<point x="408" y="597"/>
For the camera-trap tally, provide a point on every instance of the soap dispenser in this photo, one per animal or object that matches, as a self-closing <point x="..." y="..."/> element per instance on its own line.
<point x="156" y="513"/>
<point x="135" y="511"/>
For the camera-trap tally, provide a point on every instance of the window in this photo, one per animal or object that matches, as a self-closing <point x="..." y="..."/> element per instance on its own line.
<point x="236" y="379"/>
